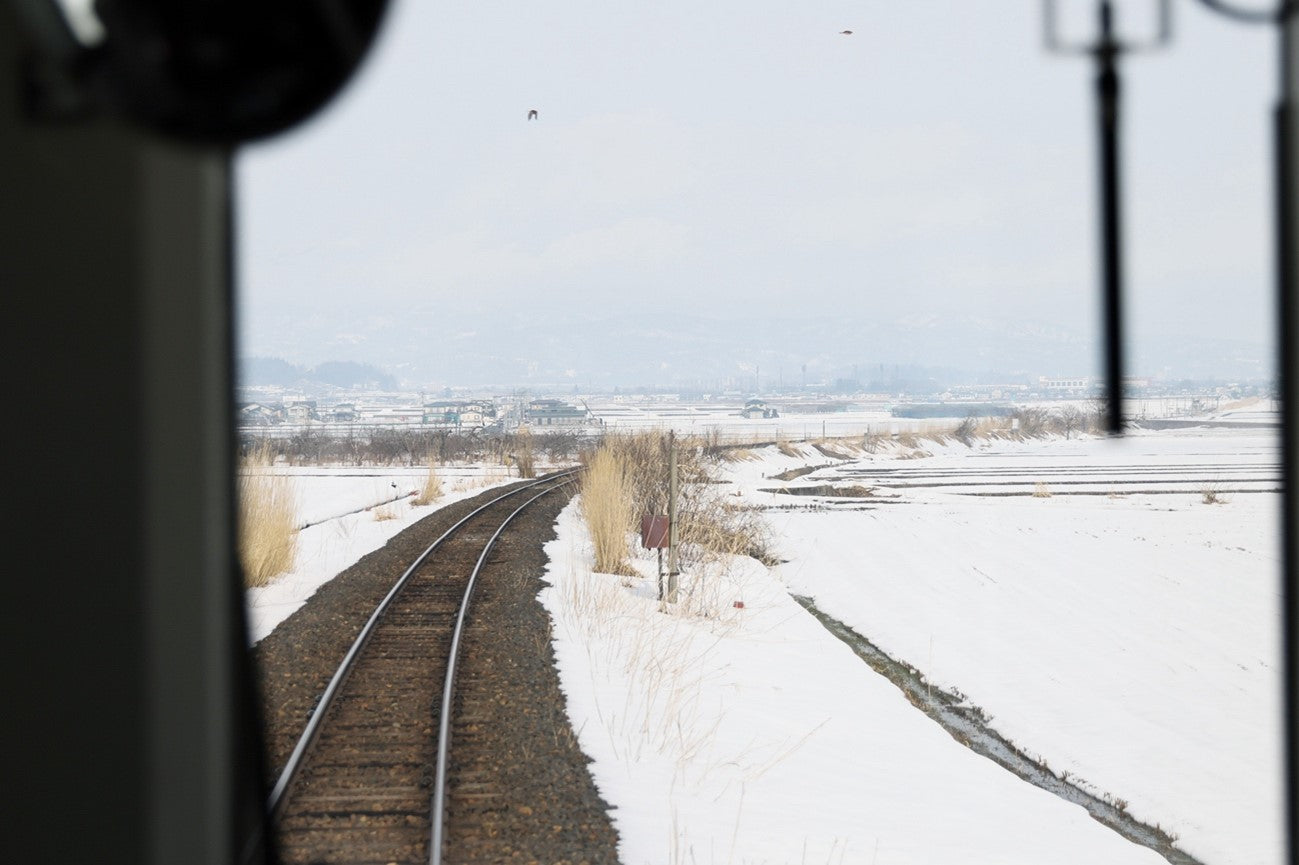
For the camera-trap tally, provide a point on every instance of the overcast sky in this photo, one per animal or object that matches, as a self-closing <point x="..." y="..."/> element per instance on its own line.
<point x="728" y="158"/>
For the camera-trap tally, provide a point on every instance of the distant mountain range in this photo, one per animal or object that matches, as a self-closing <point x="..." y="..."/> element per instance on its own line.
<point x="275" y="372"/>
<point x="667" y="348"/>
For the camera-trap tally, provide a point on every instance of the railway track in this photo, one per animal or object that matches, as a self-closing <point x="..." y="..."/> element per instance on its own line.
<point x="366" y="781"/>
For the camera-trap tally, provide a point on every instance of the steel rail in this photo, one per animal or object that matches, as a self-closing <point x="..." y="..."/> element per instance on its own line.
<point x="277" y="798"/>
<point x="448" y="691"/>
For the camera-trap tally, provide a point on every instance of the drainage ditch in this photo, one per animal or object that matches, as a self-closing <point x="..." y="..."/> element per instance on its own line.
<point x="966" y="724"/>
<point x="824" y="491"/>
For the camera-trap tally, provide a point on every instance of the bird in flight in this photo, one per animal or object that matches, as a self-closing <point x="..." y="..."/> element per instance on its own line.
<point x="845" y="32"/>
<point x="532" y="114"/>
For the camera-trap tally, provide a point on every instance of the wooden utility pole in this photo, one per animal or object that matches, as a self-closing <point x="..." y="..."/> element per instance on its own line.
<point x="672" y="518"/>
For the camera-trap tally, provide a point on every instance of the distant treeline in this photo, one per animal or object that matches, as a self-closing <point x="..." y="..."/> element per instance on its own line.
<point x="963" y="409"/>
<point x="272" y="371"/>
<point x="405" y="447"/>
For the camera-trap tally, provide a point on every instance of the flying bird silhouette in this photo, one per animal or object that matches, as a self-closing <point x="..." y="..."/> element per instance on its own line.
<point x="532" y="114"/>
<point x="845" y="32"/>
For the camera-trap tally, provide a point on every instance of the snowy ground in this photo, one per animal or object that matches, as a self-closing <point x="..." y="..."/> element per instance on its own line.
<point x="349" y="512"/>
<point x="1120" y="629"/>
<point x="727" y="425"/>
<point x="800" y="422"/>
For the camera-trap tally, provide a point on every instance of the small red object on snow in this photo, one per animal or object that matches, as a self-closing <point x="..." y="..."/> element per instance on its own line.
<point x="739" y="605"/>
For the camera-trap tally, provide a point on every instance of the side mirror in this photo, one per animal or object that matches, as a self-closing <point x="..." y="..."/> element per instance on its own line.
<point x="206" y="71"/>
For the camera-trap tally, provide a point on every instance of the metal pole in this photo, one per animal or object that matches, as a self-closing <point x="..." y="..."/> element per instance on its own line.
<point x="672" y="518"/>
<point x="660" y="552"/>
<point x="1107" y="103"/>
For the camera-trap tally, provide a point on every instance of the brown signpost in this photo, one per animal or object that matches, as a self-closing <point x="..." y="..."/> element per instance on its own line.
<point x="655" y="534"/>
<point x="654" y="531"/>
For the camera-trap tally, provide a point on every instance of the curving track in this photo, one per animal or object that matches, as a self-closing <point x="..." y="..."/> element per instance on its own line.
<point x="361" y="782"/>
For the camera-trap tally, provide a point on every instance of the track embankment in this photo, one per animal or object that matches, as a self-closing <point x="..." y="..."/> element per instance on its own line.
<point x="518" y="785"/>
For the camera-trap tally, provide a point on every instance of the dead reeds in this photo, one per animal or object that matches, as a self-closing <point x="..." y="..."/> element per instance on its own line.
<point x="431" y="490"/>
<point x="708" y="527"/>
<point x="788" y="449"/>
<point x="607" y="508"/>
<point x="267" y="521"/>
<point x="525" y="455"/>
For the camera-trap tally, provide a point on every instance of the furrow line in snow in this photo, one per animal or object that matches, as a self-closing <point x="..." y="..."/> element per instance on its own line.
<point x="966" y="724"/>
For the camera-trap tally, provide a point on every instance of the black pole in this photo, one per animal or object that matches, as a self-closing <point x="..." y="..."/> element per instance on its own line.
<point x="1107" y="103"/>
<point x="1287" y="279"/>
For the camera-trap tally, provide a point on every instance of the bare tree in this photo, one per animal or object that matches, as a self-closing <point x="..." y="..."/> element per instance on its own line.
<point x="1032" y="421"/>
<point x="1071" y="420"/>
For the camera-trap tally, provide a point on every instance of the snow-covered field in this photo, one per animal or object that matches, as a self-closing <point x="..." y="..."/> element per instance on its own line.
<point x="798" y="421"/>
<point x="1119" y="629"/>
<point x="1124" y="632"/>
<point x="727" y="425"/>
<point x="348" y="512"/>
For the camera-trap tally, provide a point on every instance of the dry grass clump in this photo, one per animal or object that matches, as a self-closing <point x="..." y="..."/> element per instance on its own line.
<point x="267" y="522"/>
<point x="993" y="428"/>
<point x="645" y="460"/>
<point x="1041" y="490"/>
<point x="1212" y="495"/>
<point x="974" y="428"/>
<point x="832" y="449"/>
<point x="607" y="508"/>
<point x="908" y="440"/>
<point x="1026" y="422"/>
<point x="524" y="455"/>
<point x="1240" y="403"/>
<point x="384" y="513"/>
<point x="431" y="490"/>
<point x="789" y="450"/>
<point x="708" y="527"/>
<point x="966" y="431"/>
<point x="735" y="455"/>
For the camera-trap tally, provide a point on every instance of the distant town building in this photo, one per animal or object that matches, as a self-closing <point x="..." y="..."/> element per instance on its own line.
<point x="758" y="408"/>
<point x="392" y="416"/>
<point x="554" y="413"/>
<point x="344" y="412"/>
<point x="460" y="414"/>
<point x="1087" y="383"/>
<point x="1081" y="383"/>
<point x="301" y="411"/>
<point x="983" y="392"/>
<point x="259" y="414"/>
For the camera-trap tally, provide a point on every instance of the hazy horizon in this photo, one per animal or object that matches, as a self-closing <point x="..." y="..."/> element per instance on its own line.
<point x="707" y="190"/>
